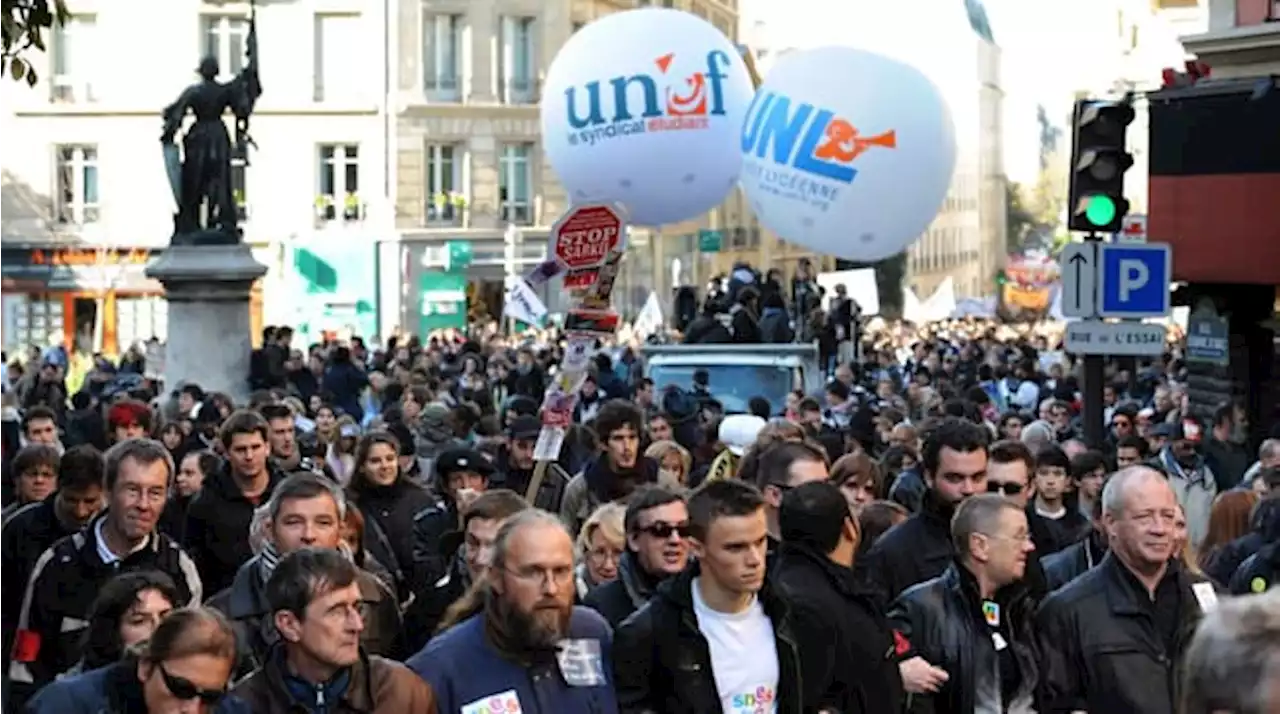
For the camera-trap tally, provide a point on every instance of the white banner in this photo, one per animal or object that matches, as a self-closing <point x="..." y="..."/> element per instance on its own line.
<point x="523" y="304"/>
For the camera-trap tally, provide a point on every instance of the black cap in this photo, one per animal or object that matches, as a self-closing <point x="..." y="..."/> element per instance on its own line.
<point x="404" y="436"/>
<point x="524" y="427"/>
<point x="455" y="460"/>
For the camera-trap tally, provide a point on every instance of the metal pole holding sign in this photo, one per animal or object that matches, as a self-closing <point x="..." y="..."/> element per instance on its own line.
<point x="1093" y="385"/>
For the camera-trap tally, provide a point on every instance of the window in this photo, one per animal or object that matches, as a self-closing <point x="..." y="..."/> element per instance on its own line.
<point x="73" y="60"/>
<point x="516" y="73"/>
<point x="515" y="174"/>
<point x="445" y="203"/>
<point x="337" y="73"/>
<point x="77" y="189"/>
<point x="225" y="38"/>
<point x="36" y="320"/>
<point x="339" y="193"/>
<point x="441" y="38"/>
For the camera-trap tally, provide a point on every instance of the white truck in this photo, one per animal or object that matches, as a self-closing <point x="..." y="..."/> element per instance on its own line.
<point x="736" y="373"/>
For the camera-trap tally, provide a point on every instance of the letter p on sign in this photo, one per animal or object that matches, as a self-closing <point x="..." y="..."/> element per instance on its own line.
<point x="1134" y="275"/>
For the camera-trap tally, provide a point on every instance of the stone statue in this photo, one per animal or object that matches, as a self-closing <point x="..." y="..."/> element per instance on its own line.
<point x="201" y="180"/>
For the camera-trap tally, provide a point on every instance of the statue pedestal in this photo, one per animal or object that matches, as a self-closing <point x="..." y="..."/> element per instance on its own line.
<point x="207" y="288"/>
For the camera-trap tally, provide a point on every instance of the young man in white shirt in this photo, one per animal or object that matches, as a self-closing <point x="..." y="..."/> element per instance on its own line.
<point x="716" y="638"/>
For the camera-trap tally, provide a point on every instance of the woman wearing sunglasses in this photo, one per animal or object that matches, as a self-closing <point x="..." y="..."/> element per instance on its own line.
<point x="184" y="669"/>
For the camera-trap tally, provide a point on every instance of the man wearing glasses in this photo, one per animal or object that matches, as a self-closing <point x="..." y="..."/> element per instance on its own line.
<point x="526" y="648"/>
<point x="656" y="524"/>
<point x="974" y="620"/>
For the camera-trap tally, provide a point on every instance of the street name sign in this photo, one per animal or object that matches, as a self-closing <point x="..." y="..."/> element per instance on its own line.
<point x="1121" y="339"/>
<point x="1079" y="279"/>
<point x="1133" y="279"/>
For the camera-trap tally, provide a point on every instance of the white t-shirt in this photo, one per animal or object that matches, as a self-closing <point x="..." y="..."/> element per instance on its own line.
<point x="744" y="656"/>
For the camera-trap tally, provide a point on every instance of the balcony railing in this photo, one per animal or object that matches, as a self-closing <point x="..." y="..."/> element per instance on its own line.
<point x="442" y="88"/>
<point x="446" y="210"/>
<point x="520" y="90"/>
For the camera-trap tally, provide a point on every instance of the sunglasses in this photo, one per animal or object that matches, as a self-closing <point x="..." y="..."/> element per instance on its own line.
<point x="184" y="690"/>
<point x="1008" y="489"/>
<point x="664" y="530"/>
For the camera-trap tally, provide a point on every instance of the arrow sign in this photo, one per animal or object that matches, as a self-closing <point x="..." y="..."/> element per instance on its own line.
<point x="1079" y="280"/>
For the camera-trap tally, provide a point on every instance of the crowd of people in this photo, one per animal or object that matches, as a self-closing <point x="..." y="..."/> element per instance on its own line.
<point x="369" y="531"/>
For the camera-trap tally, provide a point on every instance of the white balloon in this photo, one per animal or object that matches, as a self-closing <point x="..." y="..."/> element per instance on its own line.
<point x="643" y="108"/>
<point x="847" y="153"/>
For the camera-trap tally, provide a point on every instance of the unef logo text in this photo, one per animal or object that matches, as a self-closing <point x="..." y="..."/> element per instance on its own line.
<point x="802" y="151"/>
<point x="638" y="106"/>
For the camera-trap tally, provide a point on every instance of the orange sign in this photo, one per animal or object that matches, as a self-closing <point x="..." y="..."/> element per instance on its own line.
<point x="90" y="256"/>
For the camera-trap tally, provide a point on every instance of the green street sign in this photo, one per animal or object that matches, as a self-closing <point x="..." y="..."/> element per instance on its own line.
<point x="457" y="254"/>
<point x="710" y="241"/>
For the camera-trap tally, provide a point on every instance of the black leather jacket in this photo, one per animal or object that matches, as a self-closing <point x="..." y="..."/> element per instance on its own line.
<point x="943" y="620"/>
<point x="1099" y="647"/>
<point x="662" y="663"/>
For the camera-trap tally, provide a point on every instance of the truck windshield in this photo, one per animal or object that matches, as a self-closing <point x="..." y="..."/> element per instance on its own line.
<point x="733" y="385"/>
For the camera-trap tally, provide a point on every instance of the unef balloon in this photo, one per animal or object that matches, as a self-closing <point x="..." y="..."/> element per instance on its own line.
<point x="847" y="153"/>
<point x="644" y="108"/>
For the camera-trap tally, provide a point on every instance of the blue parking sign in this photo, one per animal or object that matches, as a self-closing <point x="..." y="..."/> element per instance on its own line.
<point x="1134" y="280"/>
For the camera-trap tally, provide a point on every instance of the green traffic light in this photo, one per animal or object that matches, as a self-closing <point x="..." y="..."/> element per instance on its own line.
<point x="1101" y="210"/>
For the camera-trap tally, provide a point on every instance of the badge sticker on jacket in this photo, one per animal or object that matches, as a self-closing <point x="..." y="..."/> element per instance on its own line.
<point x="1206" y="596"/>
<point x="580" y="663"/>
<point x="502" y="703"/>
<point x="991" y="613"/>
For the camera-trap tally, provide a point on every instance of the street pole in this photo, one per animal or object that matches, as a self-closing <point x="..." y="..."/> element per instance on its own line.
<point x="1092" y="386"/>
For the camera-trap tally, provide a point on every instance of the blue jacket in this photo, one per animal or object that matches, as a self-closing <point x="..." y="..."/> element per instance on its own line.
<point x="464" y="669"/>
<point x="113" y="689"/>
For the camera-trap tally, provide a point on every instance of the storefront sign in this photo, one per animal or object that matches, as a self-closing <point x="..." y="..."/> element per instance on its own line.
<point x="1208" y="338"/>
<point x="80" y="268"/>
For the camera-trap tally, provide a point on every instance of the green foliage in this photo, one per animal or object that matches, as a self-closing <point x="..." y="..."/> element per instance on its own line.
<point x="25" y="25"/>
<point x="1020" y="223"/>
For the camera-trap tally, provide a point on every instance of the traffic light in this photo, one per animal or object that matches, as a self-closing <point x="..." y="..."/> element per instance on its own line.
<point x="1098" y="162"/>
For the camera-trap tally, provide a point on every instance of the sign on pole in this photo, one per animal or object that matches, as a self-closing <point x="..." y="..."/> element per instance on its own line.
<point x="1133" y="279"/>
<point x="1133" y="230"/>
<point x="582" y="240"/>
<point x="1123" y="339"/>
<point x="1079" y="285"/>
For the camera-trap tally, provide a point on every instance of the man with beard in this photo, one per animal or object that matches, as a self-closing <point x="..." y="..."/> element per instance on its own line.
<point x="954" y="465"/>
<point x="319" y="666"/>
<point x="516" y="466"/>
<point x="529" y="649"/>
<point x="656" y="525"/>
<point x="67" y="576"/>
<point x="616" y="472"/>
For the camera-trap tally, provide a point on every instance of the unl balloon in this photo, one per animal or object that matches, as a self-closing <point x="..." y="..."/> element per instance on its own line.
<point x="643" y="108"/>
<point x="847" y="153"/>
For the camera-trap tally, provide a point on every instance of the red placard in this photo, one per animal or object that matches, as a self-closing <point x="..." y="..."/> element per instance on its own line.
<point x="585" y="236"/>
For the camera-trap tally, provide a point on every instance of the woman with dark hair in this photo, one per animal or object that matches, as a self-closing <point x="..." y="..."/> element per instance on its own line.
<point x="389" y="500"/>
<point x="185" y="666"/>
<point x="193" y="469"/>
<point x="126" y="612"/>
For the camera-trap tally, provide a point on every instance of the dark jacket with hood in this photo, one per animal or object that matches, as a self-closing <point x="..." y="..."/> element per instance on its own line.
<point x="1073" y="561"/>
<point x="391" y="510"/>
<point x="913" y="551"/>
<point x="1259" y="572"/>
<point x="848" y="658"/>
<point x="217" y="528"/>
<point x="746" y="328"/>
<point x="662" y="662"/>
<point x="245" y="605"/>
<point x="550" y="492"/>
<point x="619" y="598"/>
<point x="944" y="621"/>
<point x="1264" y="527"/>
<point x="706" y="329"/>
<point x="775" y="326"/>
<point x="599" y="484"/>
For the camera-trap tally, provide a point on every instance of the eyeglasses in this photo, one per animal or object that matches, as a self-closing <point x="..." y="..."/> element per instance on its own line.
<point x="664" y="530"/>
<point x="600" y="556"/>
<point x="543" y="576"/>
<point x="1008" y="489"/>
<point x="185" y="690"/>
